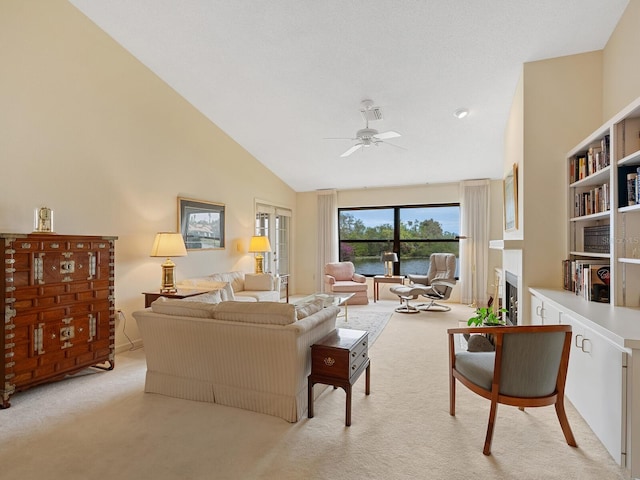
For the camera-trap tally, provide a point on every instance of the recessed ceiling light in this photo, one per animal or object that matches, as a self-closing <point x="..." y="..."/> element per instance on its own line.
<point x="461" y="113"/>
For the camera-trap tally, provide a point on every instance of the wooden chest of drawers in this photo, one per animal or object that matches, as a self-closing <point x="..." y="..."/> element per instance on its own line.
<point x="339" y="359"/>
<point x="58" y="304"/>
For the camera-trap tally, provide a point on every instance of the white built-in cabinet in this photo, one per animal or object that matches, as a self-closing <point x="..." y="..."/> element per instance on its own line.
<point x="543" y="313"/>
<point x="603" y="380"/>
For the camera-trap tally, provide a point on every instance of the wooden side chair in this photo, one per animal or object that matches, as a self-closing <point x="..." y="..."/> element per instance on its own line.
<point x="527" y="369"/>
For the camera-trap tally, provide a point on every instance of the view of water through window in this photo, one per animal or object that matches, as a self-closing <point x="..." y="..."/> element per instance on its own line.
<point x="413" y="232"/>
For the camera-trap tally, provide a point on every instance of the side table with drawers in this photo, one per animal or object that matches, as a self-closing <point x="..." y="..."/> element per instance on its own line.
<point x="339" y="359"/>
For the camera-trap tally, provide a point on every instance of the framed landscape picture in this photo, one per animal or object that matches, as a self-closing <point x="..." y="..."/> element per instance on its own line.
<point x="510" y="190"/>
<point x="201" y="224"/>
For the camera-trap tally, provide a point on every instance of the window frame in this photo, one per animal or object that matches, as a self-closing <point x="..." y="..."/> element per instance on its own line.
<point x="396" y="241"/>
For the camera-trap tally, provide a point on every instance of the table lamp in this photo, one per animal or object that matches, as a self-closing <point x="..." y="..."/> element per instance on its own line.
<point x="259" y="244"/>
<point x="388" y="258"/>
<point x="168" y="244"/>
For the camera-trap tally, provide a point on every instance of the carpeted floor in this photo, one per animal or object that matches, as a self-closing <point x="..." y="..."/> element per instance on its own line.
<point x="103" y="426"/>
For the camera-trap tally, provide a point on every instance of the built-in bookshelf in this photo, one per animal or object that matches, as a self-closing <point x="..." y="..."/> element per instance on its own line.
<point x="604" y="209"/>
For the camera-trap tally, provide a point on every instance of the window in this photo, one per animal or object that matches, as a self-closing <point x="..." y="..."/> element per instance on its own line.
<point x="413" y="232"/>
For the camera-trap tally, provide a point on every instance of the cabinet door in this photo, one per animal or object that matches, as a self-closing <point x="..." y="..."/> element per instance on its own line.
<point x="536" y="310"/>
<point x="550" y="314"/>
<point x="596" y="386"/>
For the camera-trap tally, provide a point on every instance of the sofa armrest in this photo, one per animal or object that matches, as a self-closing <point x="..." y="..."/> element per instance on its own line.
<point x="312" y="321"/>
<point x="359" y="278"/>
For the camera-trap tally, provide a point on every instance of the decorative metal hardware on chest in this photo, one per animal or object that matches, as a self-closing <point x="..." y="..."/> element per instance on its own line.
<point x="329" y="362"/>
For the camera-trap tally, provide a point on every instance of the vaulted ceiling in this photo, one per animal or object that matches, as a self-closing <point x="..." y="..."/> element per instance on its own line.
<point x="282" y="76"/>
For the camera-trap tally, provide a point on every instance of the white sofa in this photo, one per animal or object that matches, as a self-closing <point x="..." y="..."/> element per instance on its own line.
<point x="246" y="287"/>
<point x="254" y="356"/>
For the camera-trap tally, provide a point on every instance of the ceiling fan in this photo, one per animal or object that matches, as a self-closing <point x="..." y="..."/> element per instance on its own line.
<point x="367" y="137"/>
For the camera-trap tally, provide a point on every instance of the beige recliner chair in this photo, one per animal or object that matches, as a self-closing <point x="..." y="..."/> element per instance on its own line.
<point x="341" y="277"/>
<point x="437" y="285"/>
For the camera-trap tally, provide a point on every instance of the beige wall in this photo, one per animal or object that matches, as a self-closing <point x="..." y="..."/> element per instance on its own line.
<point x="550" y="113"/>
<point x="306" y="223"/>
<point x="90" y="132"/>
<point x="621" y="68"/>
<point x="558" y="112"/>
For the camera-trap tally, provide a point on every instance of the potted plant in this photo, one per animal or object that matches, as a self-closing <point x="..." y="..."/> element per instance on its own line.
<point x="488" y="317"/>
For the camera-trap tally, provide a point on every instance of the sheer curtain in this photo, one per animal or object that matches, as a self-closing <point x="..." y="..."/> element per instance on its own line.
<point x="474" y="249"/>
<point x="327" y="233"/>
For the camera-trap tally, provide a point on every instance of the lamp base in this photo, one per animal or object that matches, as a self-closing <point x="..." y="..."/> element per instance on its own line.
<point x="168" y="277"/>
<point x="388" y="267"/>
<point x="259" y="264"/>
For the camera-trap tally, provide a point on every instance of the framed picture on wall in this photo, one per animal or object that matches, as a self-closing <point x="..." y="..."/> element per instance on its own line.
<point x="201" y="224"/>
<point x="510" y="190"/>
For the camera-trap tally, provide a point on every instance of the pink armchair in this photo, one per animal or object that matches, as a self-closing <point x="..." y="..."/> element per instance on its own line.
<point x="341" y="277"/>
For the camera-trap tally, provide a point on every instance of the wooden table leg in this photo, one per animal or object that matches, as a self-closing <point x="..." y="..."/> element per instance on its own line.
<point x="347" y="388"/>
<point x="367" y="379"/>
<point x="310" y="400"/>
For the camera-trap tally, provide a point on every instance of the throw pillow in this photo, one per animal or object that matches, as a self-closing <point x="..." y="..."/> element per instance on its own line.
<point x="307" y="309"/>
<point x="209" y="297"/>
<point x="479" y="343"/>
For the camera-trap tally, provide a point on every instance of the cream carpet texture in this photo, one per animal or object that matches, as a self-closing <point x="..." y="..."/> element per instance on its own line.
<point x="101" y="425"/>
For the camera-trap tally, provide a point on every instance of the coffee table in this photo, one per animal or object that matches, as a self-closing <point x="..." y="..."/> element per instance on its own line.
<point x="329" y="299"/>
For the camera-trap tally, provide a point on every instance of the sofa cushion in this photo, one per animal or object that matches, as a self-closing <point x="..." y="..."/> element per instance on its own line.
<point x="175" y="306"/>
<point x="236" y="279"/>
<point x="258" y="281"/>
<point x="273" y="313"/>
<point x="226" y="292"/>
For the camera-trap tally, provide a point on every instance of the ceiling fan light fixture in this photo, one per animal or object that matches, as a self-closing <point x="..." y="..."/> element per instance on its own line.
<point x="461" y="113"/>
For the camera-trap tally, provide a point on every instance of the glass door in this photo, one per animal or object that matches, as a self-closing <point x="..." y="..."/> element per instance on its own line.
<point x="275" y="223"/>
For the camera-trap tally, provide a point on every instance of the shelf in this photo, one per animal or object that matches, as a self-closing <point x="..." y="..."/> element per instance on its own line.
<point x="632" y="208"/>
<point x="593" y="216"/>
<point x="590" y="254"/>
<point x="506" y="244"/>
<point x="632" y="159"/>
<point x="635" y="261"/>
<point x="598" y="178"/>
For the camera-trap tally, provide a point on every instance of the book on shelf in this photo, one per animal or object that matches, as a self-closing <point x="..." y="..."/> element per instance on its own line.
<point x="583" y="275"/>
<point x="592" y="161"/>
<point x="597" y="287"/>
<point x="594" y="200"/>
<point x="632" y="182"/>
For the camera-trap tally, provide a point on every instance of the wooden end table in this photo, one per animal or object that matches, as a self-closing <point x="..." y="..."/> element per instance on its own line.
<point x="150" y="297"/>
<point x="339" y="359"/>
<point x="378" y="279"/>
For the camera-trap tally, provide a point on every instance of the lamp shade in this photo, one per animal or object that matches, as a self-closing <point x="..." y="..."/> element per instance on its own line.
<point x="389" y="257"/>
<point x="259" y="244"/>
<point x="168" y="244"/>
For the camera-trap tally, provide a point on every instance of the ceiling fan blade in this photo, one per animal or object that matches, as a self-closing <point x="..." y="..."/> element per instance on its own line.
<point x="385" y="135"/>
<point x="394" y="145"/>
<point x="339" y="138"/>
<point x="357" y="146"/>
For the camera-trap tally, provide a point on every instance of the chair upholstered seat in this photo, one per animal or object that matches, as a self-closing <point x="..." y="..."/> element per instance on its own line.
<point x="348" y="287"/>
<point x="477" y="367"/>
